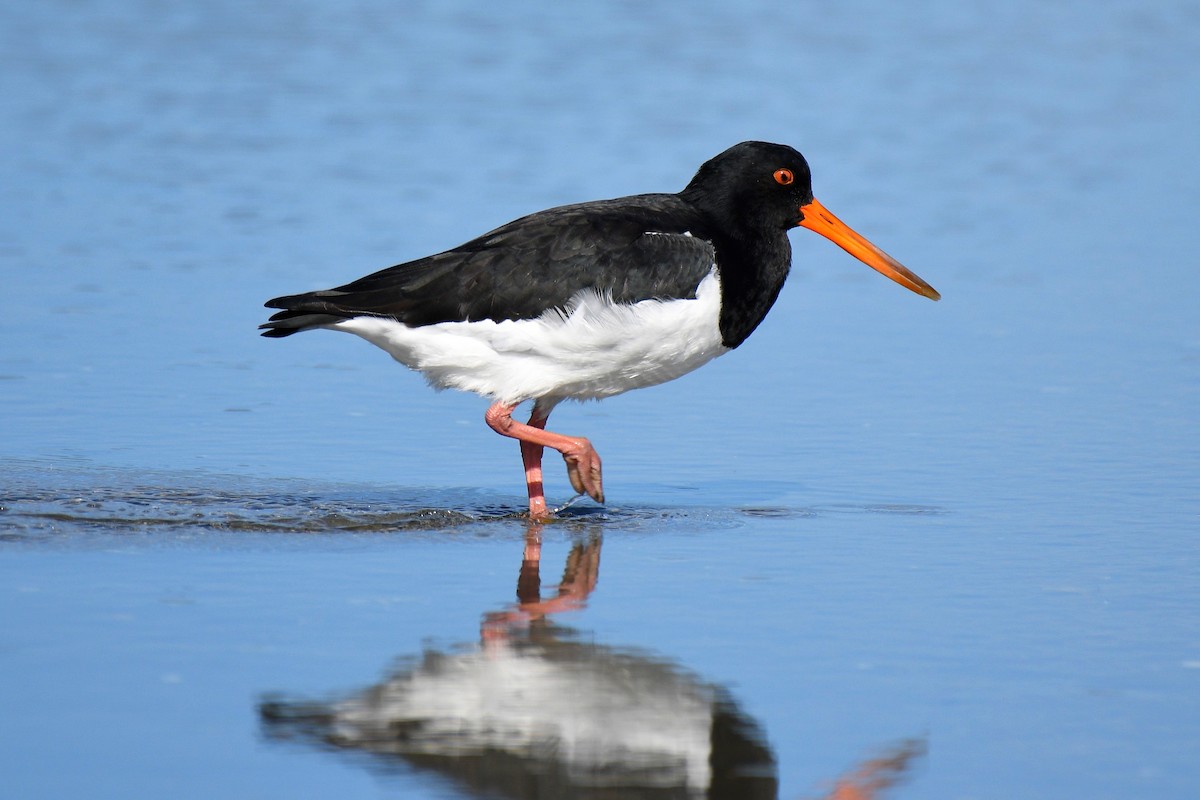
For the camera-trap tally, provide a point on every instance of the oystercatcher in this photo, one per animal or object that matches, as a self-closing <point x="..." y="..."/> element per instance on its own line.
<point x="587" y="301"/>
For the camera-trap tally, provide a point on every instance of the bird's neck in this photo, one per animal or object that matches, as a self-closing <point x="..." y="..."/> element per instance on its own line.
<point x="752" y="273"/>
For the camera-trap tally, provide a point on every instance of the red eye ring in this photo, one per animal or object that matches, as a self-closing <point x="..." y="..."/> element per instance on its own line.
<point x="784" y="177"/>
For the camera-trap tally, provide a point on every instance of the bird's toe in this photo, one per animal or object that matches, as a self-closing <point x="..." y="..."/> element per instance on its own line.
<point x="584" y="470"/>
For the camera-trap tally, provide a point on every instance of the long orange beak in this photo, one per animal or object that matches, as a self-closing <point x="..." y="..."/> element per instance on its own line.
<point x="817" y="218"/>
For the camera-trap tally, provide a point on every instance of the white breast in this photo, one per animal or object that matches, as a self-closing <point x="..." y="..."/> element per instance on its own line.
<point x="592" y="349"/>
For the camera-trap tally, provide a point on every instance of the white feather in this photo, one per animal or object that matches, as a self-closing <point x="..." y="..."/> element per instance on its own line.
<point x="590" y="350"/>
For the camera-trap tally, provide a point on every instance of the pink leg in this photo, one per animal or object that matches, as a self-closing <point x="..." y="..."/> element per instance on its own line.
<point x="531" y="457"/>
<point x="583" y="463"/>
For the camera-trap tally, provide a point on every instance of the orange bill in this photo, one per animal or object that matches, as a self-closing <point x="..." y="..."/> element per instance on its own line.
<point x="818" y="219"/>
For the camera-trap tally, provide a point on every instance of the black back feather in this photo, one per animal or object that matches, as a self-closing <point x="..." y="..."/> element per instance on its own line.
<point x="632" y="249"/>
<point x="734" y="213"/>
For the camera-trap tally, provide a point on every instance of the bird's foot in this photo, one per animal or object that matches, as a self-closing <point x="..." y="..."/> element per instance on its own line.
<point x="538" y="510"/>
<point x="583" y="468"/>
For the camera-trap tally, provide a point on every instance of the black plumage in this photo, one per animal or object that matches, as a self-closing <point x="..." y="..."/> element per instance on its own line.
<point x="651" y="246"/>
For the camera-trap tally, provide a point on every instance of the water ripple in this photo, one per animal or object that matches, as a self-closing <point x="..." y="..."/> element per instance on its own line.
<point x="40" y="500"/>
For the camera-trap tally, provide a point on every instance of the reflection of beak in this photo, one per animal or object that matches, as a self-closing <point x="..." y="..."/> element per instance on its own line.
<point x="816" y="217"/>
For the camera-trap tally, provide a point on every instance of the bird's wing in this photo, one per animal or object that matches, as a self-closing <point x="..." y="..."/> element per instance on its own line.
<point x="631" y="249"/>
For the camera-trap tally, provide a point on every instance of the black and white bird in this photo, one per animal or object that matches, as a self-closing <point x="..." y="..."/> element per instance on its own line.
<point x="587" y="301"/>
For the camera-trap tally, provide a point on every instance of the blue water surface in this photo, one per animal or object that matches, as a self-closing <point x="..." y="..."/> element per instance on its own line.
<point x="952" y="546"/>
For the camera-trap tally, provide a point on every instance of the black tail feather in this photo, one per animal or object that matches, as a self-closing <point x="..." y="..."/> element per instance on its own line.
<point x="300" y="313"/>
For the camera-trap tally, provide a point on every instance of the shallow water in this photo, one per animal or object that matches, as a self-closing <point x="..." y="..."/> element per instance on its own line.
<point x="925" y="550"/>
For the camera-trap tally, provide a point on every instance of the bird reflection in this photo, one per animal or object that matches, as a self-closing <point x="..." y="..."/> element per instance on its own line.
<point x="536" y="711"/>
<point x="580" y="575"/>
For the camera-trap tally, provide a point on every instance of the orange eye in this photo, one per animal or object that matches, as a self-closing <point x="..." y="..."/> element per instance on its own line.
<point x="784" y="177"/>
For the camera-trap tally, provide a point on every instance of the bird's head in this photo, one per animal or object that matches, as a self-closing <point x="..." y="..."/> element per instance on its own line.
<point x="754" y="187"/>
